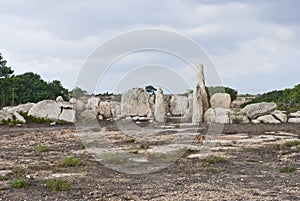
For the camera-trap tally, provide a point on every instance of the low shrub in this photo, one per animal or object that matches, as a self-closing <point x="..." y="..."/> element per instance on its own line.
<point x="57" y="185"/>
<point x="18" y="183"/>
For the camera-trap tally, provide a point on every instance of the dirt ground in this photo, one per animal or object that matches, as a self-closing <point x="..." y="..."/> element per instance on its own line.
<point x="248" y="167"/>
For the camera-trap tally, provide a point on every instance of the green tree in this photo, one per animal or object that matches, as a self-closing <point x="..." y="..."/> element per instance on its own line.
<point x="150" y="89"/>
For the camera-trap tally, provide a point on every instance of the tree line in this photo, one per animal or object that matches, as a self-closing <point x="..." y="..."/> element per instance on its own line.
<point x="27" y="87"/>
<point x="286" y="100"/>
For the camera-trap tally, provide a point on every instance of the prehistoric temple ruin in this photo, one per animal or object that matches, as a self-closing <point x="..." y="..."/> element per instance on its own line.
<point x="137" y="105"/>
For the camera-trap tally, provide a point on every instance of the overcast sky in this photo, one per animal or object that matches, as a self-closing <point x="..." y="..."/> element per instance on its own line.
<point x="254" y="44"/>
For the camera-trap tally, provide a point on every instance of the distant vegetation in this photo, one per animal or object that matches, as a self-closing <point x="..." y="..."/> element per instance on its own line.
<point x="287" y="99"/>
<point x="27" y="87"/>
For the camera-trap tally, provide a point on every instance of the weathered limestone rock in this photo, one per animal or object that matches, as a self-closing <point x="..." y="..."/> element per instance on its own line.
<point x="200" y="101"/>
<point x="5" y="115"/>
<point x="222" y="100"/>
<point x="159" y="108"/>
<point x="104" y="109"/>
<point x="268" y="119"/>
<point x="68" y="115"/>
<point x="259" y="109"/>
<point x="295" y="114"/>
<point x="19" y="108"/>
<point x="59" y="99"/>
<point x="294" y="120"/>
<point x="87" y="116"/>
<point x="188" y="113"/>
<point x="217" y="115"/>
<point x="73" y="101"/>
<point x="115" y="109"/>
<point x="79" y="106"/>
<point x="135" y="102"/>
<point x="19" y="117"/>
<point x="46" y="109"/>
<point x="92" y="104"/>
<point x="280" y="116"/>
<point x="178" y="105"/>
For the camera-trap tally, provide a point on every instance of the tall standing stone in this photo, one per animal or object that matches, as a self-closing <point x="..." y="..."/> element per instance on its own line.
<point x="200" y="101"/>
<point x="159" y="108"/>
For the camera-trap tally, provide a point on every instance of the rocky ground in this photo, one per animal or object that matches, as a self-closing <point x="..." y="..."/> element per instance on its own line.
<point x="244" y="162"/>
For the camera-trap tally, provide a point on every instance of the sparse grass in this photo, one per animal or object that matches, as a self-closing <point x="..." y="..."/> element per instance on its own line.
<point x="144" y="146"/>
<point x="213" y="159"/>
<point x="237" y="120"/>
<point x="18" y="171"/>
<point x="292" y="143"/>
<point x="35" y="119"/>
<point x="10" y="122"/>
<point x="112" y="157"/>
<point x="42" y="148"/>
<point x="61" y="122"/>
<point x="71" y="161"/>
<point x="18" y="183"/>
<point x="57" y="185"/>
<point x="298" y="148"/>
<point x="3" y="178"/>
<point x="287" y="169"/>
<point x="80" y="144"/>
<point x="284" y="152"/>
<point x="162" y="157"/>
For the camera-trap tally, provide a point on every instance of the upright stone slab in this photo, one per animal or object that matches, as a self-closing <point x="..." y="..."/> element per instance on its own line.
<point x="135" y="102"/>
<point x="159" y="108"/>
<point x="200" y="101"/>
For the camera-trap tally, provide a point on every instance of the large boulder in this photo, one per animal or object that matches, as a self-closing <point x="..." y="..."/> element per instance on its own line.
<point x="4" y="115"/>
<point x="87" y="116"/>
<point x="222" y="100"/>
<point x="19" y="117"/>
<point x="46" y="109"/>
<point x="178" y="105"/>
<point x="135" y="102"/>
<point x="115" y="109"/>
<point x="294" y="120"/>
<point x="104" y="109"/>
<point x="280" y="116"/>
<point x="67" y="115"/>
<point x="217" y="115"/>
<point x="92" y="104"/>
<point x="259" y="109"/>
<point x="268" y="119"/>
<point x="159" y="108"/>
<point x="19" y="108"/>
<point x="59" y="99"/>
<point x="295" y="114"/>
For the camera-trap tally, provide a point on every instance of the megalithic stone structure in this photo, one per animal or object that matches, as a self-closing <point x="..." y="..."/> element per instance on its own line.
<point x="200" y="100"/>
<point x="159" y="108"/>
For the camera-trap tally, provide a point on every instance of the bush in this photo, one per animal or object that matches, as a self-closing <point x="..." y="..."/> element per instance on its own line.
<point x="42" y="148"/>
<point x="10" y="122"/>
<point x="292" y="143"/>
<point x="213" y="159"/>
<point x="18" y="183"/>
<point x="287" y="169"/>
<point x="57" y="185"/>
<point x="71" y="161"/>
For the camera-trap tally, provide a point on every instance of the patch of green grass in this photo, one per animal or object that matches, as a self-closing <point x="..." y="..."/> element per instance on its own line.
<point x="287" y="169"/>
<point x="71" y="161"/>
<point x="144" y="146"/>
<point x="42" y="148"/>
<point x="284" y="152"/>
<point x="213" y="159"/>
<point x="298" y="148"/>
<point x="18" y="183"/>
<point x="292" y="143"/>
<point x="57" y="185"/>
<point x="80" y="144"/>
